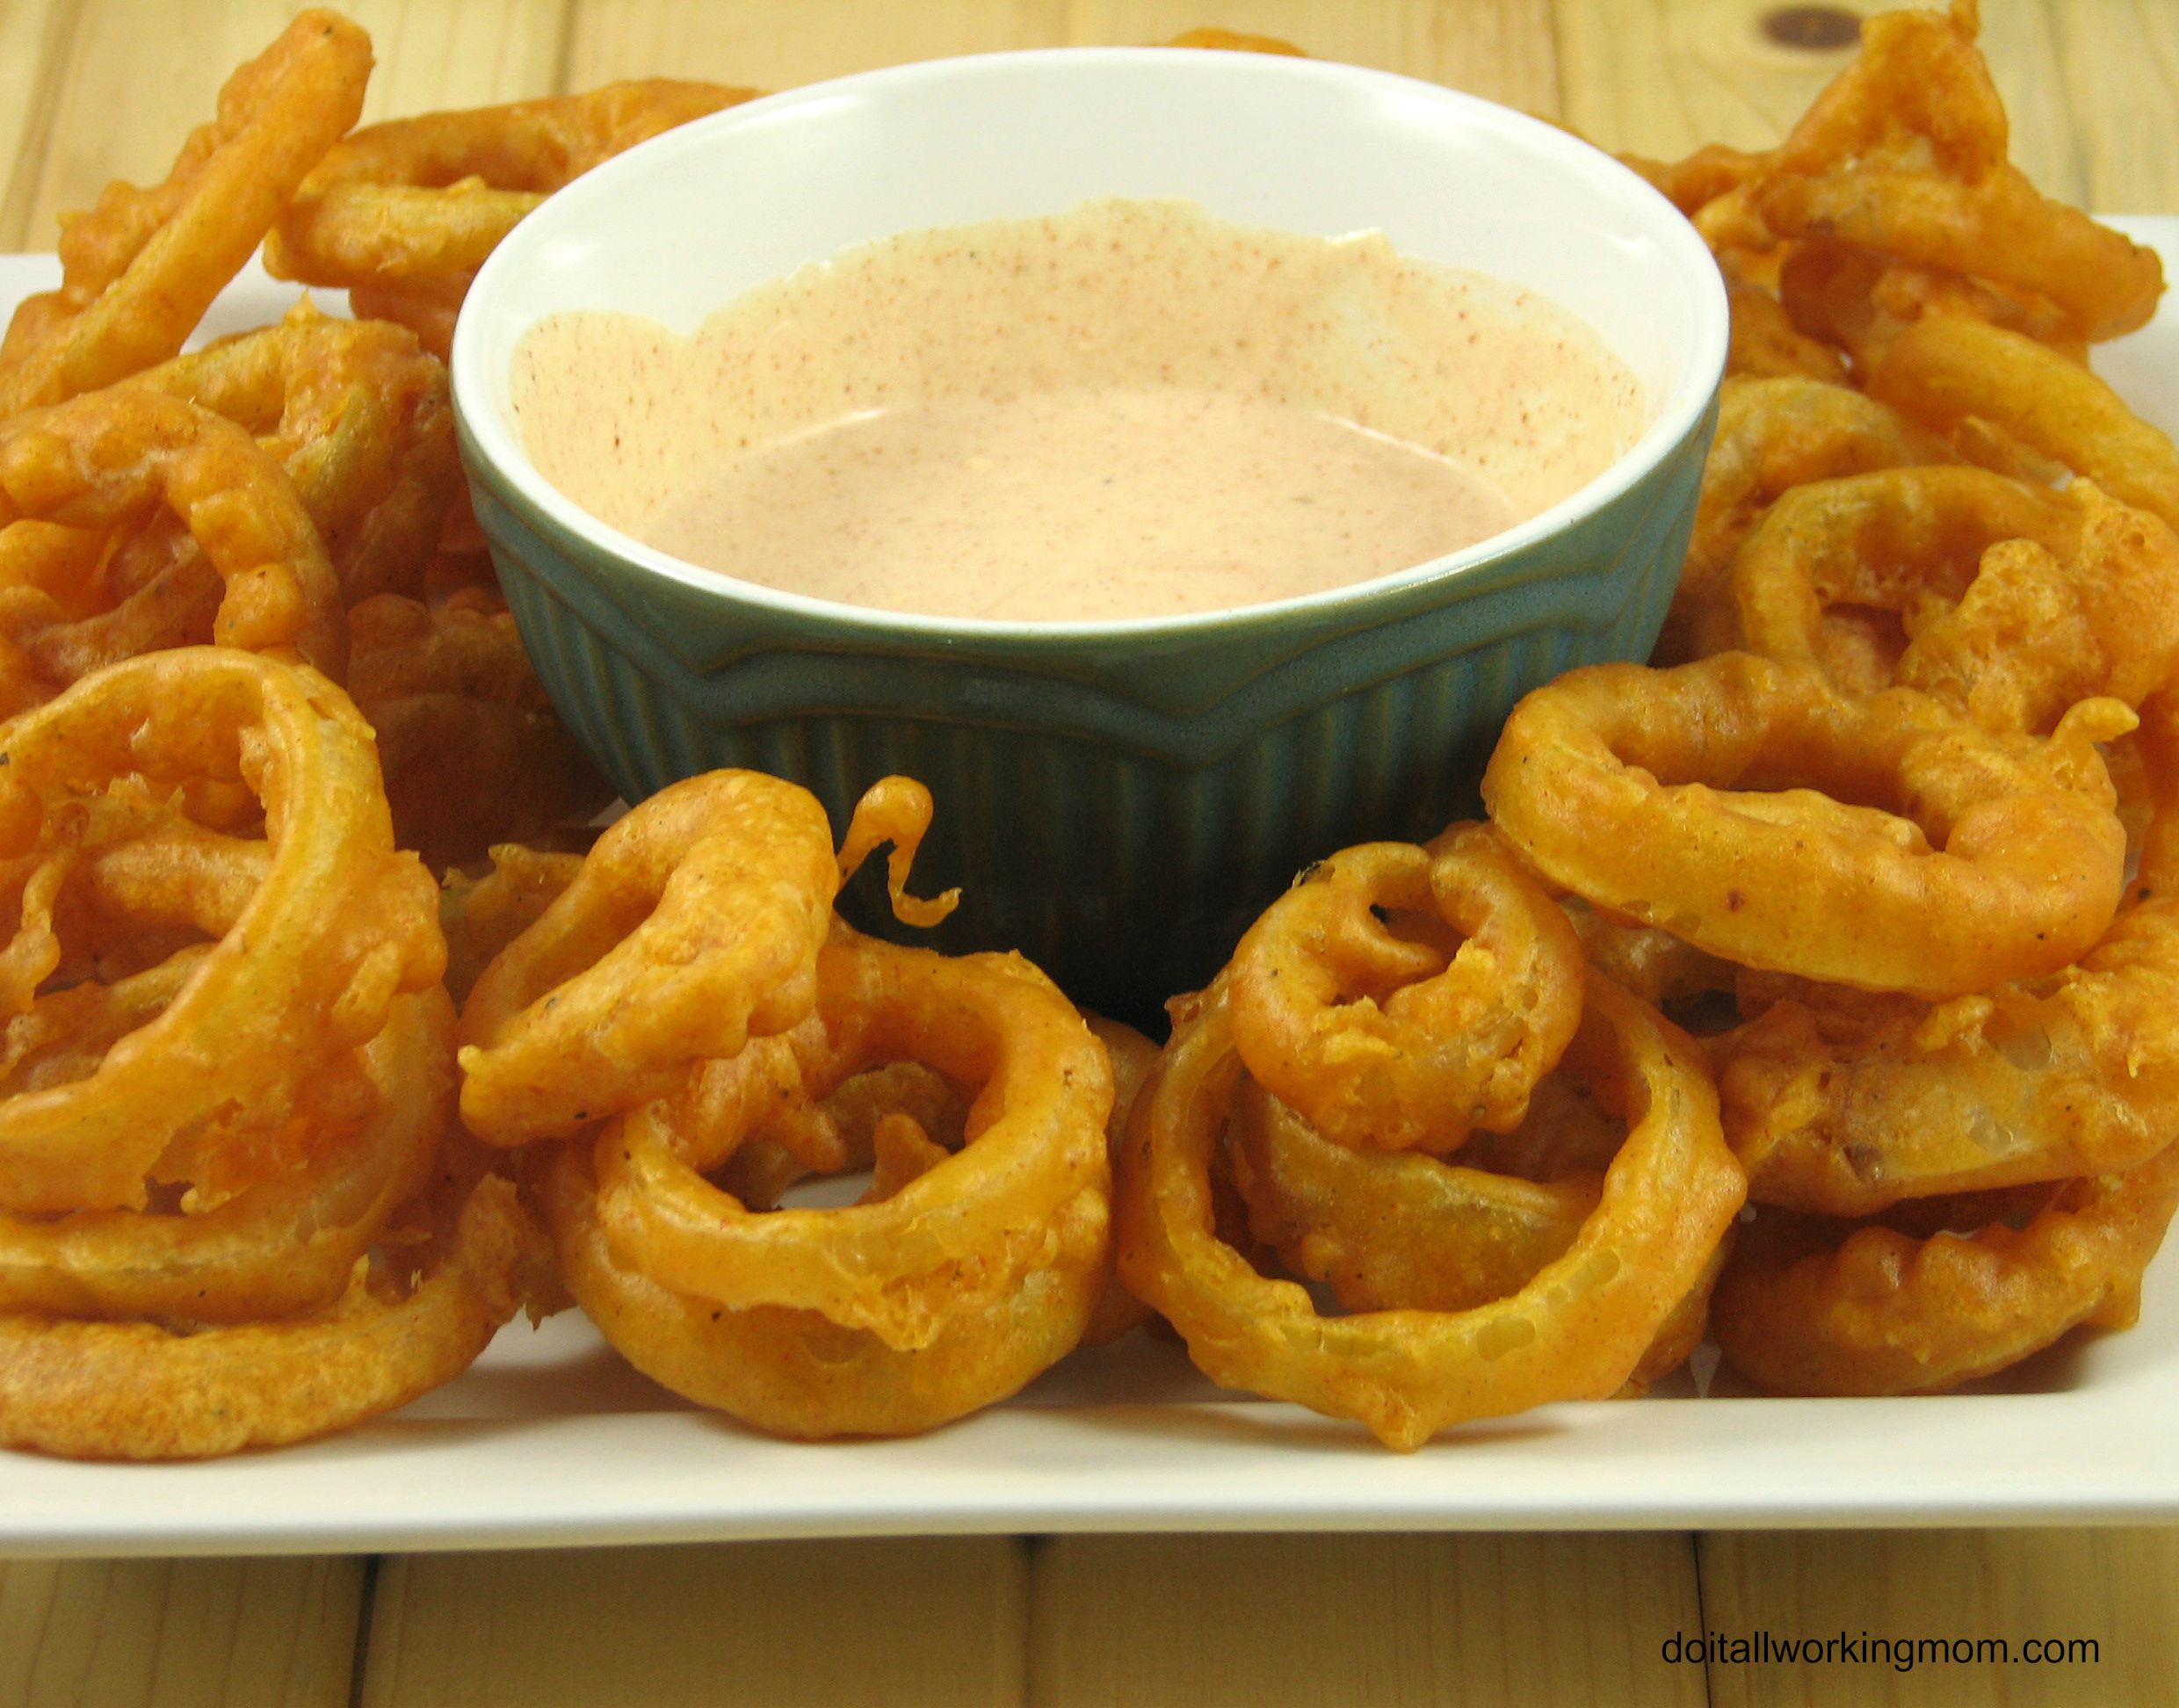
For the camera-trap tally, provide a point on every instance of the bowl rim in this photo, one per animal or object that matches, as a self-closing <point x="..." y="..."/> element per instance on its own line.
<point x="507" y="467"/>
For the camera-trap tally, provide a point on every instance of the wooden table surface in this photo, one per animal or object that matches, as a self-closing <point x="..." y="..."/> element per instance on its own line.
<point x="91" y="90"/>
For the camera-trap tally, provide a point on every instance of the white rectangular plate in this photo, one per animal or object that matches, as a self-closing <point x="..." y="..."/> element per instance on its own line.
<point x="552" y="1441"/>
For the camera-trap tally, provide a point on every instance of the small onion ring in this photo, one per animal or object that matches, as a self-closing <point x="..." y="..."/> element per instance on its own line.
<point x="105" y="462"/>
<point x="1384" y="1043"/>
<point x="430" y="198"/>
<point x="361" y="419"/>
<point x="693" y="925"/>
<point x="1887" y="539"/>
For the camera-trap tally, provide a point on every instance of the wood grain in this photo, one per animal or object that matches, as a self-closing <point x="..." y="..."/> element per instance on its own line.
<point x="1392" y="1621"/>
<point x="2117" y="1588"/>
<point x="929" y="1624"/>
<point x="778" y="44"/>
<point x="1502" y="49"/>
<point x="197" y="1634"/>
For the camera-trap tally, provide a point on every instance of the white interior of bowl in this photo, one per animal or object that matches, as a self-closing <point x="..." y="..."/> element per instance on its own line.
<point x="676" y="227"/>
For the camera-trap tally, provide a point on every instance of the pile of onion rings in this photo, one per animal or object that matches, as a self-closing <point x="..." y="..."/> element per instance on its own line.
<point x="683" y="1025"/>
<point x="1933" y="552"/>
<point x="233" y="1211"/>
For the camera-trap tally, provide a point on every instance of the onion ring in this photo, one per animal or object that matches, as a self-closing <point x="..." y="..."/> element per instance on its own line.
<point x="136" y="1391"/>
<point x="139" y="272"/>
<point x="284" y="1246"/>
<point x="1649" y="793"/>
<point x="339" y="926"/>
<point x="897" y="1268"/>
<point x="105" y="460"/>
<point x="1842" y="1108"/>
<point x="794" y="1373"/>
<point x="428" y="199"/>
<point x="1578" y="1330"/>
<point x="1879" y="1311"/>
<point x="1885" y="541"/>
<point x="692" y="927"/>
<point x="363" y="422"/>
<point x="1388" y="1042"/>
<point x="1943" y="371"/>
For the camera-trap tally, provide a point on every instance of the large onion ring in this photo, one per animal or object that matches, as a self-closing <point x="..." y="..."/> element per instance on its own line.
<point x="795" y="1373"/>
<point x="284" y="1246"/>
<point x="339" y="926"/>
<point x="1578" y="1330"/>
<point x="1681" y="799"/>
<point x="1944" y="371"/>
<point x="136" y="1391"/>
<point x="897" y="1268"/>
<point x="1842" y="1108"/>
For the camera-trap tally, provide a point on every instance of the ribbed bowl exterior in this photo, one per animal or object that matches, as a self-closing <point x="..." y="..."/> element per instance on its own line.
<point x="1118" y="811"/>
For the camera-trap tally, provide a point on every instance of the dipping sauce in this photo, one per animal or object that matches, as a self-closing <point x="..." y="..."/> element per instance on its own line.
<point x="1131" y="410"/>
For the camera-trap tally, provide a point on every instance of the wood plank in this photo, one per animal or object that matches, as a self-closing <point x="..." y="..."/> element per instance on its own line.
<point x="223" y="1633"/>
<point x="1393" y="1621"/>
<point x="933" y="1623"/>
<point x="1500" y="49"/>
<point x="779" y="44"/>
<point x="124" y="96"/>
<point x="2118" y="68"/>
<point x="2117" y="1588"/>
<point x="33" y="45"/>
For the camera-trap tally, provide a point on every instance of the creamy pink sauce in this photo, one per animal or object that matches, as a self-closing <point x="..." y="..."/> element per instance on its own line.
<point x="1131" y="410"/>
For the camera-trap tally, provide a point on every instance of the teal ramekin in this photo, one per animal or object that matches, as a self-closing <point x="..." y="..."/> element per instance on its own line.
<point x="1118" y="800"/>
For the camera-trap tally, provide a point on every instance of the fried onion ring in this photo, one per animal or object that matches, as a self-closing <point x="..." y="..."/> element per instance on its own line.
<point x="138" y="1391"/>
<point x="335" y="925"/>
<point x="1842" y="1108"/>
<point x="139" y="271"/>
<point x="1389" y="1043"/>
<point x="428" y="199"/>
<point x="692" y="927"/>
<point x="284" y="1246"/>
<point x="363" y="422"/>
<point x="1801" y="1310"/>
<point x="794" y="1373"/>
<point x="896" y="1268"/>
<point x="1577" y="1329"/>
<point x="1944" y="372"/>
<point x="108" y="460"/>
<point x="1687" y="799"/>
<point x="1887" y="540"/>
